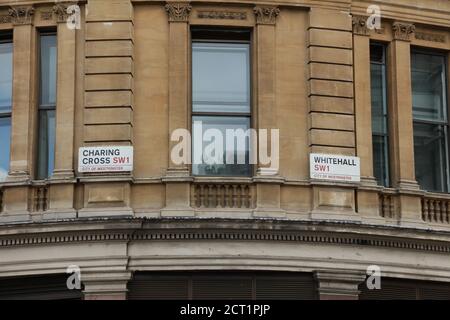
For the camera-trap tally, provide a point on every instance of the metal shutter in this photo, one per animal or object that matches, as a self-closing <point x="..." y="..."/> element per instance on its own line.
<point x="388" y="292"/>
<point x="156" y="287"/>
<point x="396" y="289"/>
<point x="222" y="288"/>
<point x="222" y="285"/>
<point x="300" y="287"/>
<point x="45" y="287"/>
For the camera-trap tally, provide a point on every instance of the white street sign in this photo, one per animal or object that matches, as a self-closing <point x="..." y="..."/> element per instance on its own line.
<point x="334" y="167"/>
<point x="105" y="159"/>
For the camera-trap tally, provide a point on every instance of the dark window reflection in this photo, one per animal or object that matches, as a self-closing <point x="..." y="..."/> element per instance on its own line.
<point x="380" y="135"/>
<point x="47" y="107"/>
<point x="430" y="120"/>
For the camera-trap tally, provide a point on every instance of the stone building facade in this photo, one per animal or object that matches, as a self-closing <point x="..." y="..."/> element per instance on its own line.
<point x="123" y="76"/>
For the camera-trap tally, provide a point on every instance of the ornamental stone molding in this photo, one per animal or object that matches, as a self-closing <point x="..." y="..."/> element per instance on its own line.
<point x="229" y="15"/>
<point x="60" y="12"/>
<point x="266" y="15"/>
<point x="178" y="11"/>
<point x="360" y="25"/>
<point x="5" y="18"/>
<point x="425" y="36"/>
<point x="21" y="15"/>
<point x="73" y="231"/>
<point x="403" y="31"/>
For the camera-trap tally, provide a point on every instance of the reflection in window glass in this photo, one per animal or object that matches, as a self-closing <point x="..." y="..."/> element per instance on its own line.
<point x="48" y="70"/>
<point x="6" y="50"/>
<point x="430" y="120"/>
<point x="47" y="123"/>
<point x="379" y="114"/>
<point x="46" y="143"/>
<point x="6" y="76"/>
<point x="220" y="77"/>
<point x="221" y="101"/>
<point x="428" y="81"/>
<point x="222" y="124"/>
<point x="430" y="156"/>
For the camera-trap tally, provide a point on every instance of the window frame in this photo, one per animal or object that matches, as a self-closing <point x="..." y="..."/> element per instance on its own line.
<point x="7" y="37"/>
<point x="442" y="123"/>
<point x="44" y="108"/>
<point x="228" y="35"/>
<point x="385" y="87"/>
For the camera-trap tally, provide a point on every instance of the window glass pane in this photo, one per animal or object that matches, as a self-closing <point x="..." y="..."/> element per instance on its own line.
<point x="223" y="169"/>
<point x="48" y="70"/>
<point x="378" y="95"/>
<point x="379" y="114"/>
<point x="430" y="156"/>
<point x="377" y="53"/>
<point x="428" y="82"/>
<point x="5" y="137"/>
<point x="220" y="77"/>
<point x="6" y="50"/>
<point x="380" y="160"/>
<point x="46" y="143"/>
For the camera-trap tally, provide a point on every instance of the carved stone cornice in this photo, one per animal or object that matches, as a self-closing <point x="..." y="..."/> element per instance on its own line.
<point x="360" y="25"/>
<point x="138" y="229"/>
<point x="266" y="14"/>
<point x="21" y="15"/>
<point x="403" y="31"/>
<point x="178" y="11"/>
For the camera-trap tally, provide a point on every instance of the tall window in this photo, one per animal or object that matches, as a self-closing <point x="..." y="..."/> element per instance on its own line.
<point x="220" y="101"/>
<point x="429" y="85"/>
<point x="6" y="62"/>
<point x="380" y="135"/>
<point x="47" y="105"/>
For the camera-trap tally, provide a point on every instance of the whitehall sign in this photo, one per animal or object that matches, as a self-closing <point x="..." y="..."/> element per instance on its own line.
<point x="334" y="167"/>
<point x="105" y="159"/>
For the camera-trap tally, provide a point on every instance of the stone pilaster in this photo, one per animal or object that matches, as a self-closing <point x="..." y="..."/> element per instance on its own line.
<point x="268" y="181"/>
<point x="16" y="198"/>
<point x="23" y="101"/>
<point x="62" y="188"/>
<point x="402" y="141"/>
<point x="177" y="177"/>
<point x="338" y="284"/>
<point x="368" y="195"/>
<point x="105" y="285"/>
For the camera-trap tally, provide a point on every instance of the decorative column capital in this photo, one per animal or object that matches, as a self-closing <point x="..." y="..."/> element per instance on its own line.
<point x="360" y="25"/>
<point x="21" y="15"/>
<point x="266" y="14"/>
<point x="178" y="11"/>
<point x="61" y="11"/>
<point x="403" y="30"/>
